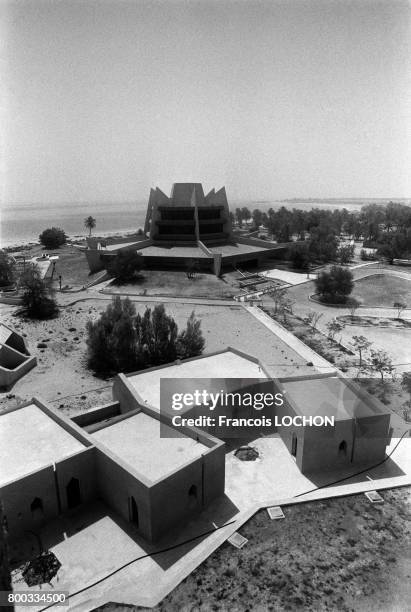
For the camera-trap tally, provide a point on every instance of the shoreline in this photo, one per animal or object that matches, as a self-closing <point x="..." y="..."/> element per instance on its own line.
<point x="79" y="239"/>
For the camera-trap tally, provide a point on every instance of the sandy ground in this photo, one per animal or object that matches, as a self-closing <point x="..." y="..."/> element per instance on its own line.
<point x="62" y="376"/>
<point x="342" y="554"/>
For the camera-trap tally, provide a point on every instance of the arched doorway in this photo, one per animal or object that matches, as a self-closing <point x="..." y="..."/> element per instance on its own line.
<point x="342" y="449"/>
<point x="36" y="508"/>
<point x="73" y="493"/>
<point x="133" y="511"/>
<point x="192" y="496"/>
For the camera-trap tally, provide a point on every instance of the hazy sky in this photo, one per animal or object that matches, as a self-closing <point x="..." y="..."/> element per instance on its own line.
<point x="272" y="99"/>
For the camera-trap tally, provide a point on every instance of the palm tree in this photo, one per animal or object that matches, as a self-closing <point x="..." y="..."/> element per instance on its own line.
<point x="89" y="223"/>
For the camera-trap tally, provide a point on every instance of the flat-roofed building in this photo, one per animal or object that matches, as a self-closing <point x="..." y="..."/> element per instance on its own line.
<point x="50" y="465"/>
<point x="361" y="430"/>
<point x="129" y="454"/>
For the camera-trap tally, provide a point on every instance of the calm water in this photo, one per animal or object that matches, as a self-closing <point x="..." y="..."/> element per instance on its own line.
<point x="21" y="224"/>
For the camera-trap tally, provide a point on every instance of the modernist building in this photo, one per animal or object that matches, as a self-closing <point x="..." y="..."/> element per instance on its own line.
<point x="49" y="464"/>
<point x="185" y="227"/>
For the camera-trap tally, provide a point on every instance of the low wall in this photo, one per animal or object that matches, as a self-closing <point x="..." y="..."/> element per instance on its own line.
<point x="9" y="377"/>
<point x="97" y="414"/>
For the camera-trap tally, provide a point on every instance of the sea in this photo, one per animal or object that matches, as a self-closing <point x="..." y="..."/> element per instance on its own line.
<point x="21" y="224"/>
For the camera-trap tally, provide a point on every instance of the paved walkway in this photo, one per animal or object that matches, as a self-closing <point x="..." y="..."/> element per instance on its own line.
<point x="292" y="341"/>
<point x="291" y="278"/>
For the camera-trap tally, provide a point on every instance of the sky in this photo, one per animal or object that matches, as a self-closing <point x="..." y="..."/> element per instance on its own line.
<point x="104" y="100"/>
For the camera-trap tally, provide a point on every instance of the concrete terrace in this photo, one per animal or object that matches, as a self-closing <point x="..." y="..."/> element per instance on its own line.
<point x="136" y="440"/>
<point x="173" y="251"/>
<point x="237" y="249"/>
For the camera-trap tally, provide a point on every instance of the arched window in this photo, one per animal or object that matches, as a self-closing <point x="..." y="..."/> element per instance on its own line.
<point x="342" y="449"/>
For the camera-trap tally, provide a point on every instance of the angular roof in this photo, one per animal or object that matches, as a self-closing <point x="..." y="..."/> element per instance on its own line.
<point x="185" y="194"/>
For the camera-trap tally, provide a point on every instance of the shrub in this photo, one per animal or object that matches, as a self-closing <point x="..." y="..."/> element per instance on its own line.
<point x="191" y="341"/>
<point x="125" y="267"/>
<point x="38" y="299"/>
<point x="7" y="269"/>
<point x="299" y="256"/>
<point x="53" y="238"/>
<point x="336" y="285"/>
<point x="121" y="341"/>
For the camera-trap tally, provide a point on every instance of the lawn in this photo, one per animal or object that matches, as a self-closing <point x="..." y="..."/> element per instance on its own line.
<point x="382" y="290"/>
<point x="176" y="283"/>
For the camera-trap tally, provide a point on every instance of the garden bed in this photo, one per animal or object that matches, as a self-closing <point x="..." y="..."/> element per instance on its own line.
<point x="374" y="321"/>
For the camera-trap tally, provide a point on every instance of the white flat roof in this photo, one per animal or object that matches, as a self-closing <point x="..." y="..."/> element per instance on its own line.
<point x="222" y="365"/>
<point x="30" y="440"/>
<point x="137" y="441"/>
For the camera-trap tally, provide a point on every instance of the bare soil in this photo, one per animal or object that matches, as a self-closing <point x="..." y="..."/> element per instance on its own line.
<point x="342" y="554"/>
<point x="330" y="349"/>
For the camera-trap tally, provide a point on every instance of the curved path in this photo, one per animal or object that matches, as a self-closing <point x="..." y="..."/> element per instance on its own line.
<point x="397" y="342"/>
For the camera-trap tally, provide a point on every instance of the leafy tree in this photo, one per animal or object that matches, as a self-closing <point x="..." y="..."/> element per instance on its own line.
<point x="286" y="305"/>
<point x="361" y="344"/>
<point x="53" y="238"/>
<point x="191" y="340"/>
<point x="125" y="267"/>
<point x="89" y="223"/>
<point x="312" y="318"/>
<point x="381" y="363"/>
<point x="112" y="339"/>
<point x="401" y="305"/>
<point x="300" y="256"/>
<point x="38" y="298"/>
<point x="323" y="243"/>
<point x="345" y="253"/>
<point x="257" y="216"/>
<point x="334" y="327"/>
<point x="158" y="335"/>
<point x="353" y="305"/>
<point x="277" y="294"/>
<point x="7" y="269"/>
<point x="245" y="212"/>
<point x="335" y="285"/>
